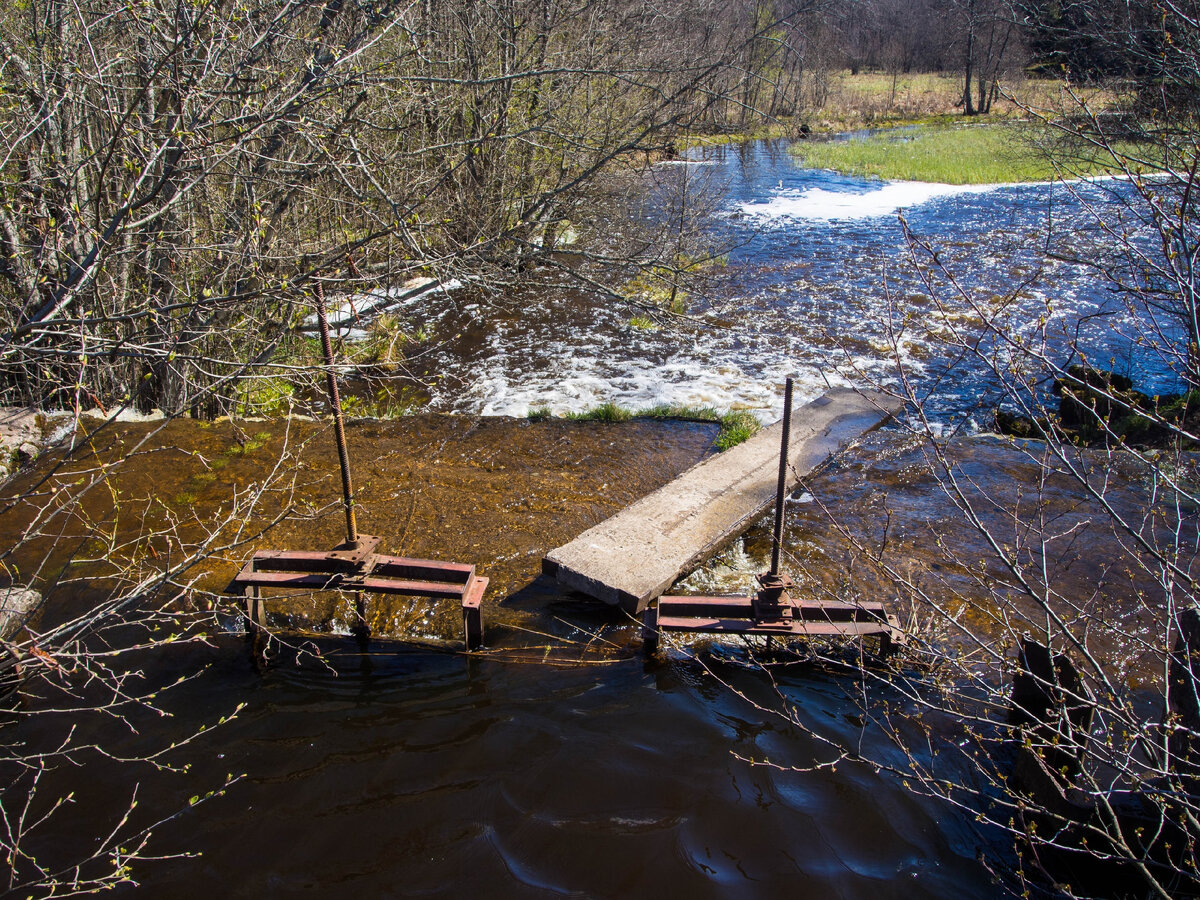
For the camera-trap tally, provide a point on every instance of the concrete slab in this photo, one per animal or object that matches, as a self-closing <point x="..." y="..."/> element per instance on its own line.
<point x="636" y="555"/>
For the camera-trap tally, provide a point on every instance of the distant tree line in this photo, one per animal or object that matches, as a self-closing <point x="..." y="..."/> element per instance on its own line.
<point x="1083" y="40"/>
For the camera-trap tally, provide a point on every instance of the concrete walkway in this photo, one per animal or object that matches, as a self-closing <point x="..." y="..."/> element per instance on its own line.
<point x="633" y="557"/>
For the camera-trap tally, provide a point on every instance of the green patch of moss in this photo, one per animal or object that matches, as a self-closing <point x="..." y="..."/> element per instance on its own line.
<point x="737" y="427"/>
<point x="605" y="412"/>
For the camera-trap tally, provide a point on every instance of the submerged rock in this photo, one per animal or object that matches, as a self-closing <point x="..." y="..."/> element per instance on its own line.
<point x="17" y="604"/>
<point x="1088" y="396"/>
<point x="1099" y="407"/>
<point x="1015" y="425"/>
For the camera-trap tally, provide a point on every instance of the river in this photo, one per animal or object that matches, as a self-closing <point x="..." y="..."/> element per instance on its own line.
<point x="562" y="762"/>
<point x="818" y="283"/>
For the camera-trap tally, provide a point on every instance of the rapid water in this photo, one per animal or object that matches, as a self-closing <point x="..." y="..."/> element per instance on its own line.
<point x="562" y="762"/>
<point x="819" y="284"/>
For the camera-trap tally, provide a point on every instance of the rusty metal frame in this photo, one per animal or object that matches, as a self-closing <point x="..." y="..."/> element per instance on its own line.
<point x="362" y="571"/>
<point x="354" y="566"/>
<point x="772" y="611"/>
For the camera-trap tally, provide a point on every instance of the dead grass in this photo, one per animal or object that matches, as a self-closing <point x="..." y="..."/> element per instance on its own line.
<point x="841" y="101"/>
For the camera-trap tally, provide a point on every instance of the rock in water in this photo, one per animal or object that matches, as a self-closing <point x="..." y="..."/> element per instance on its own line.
<point x="16" y="605"/>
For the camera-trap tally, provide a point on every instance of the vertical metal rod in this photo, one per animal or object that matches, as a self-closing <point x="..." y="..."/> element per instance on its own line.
<point x="339" y="428"/>
<point x="781" y="489"/>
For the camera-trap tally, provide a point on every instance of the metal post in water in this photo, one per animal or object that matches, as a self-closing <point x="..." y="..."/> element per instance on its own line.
<point x="781" y="489"/>
<point x="339" y="428"/>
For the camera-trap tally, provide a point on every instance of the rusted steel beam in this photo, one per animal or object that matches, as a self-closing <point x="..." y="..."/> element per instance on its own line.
<point x="743" y="615"/>
<point x="436" y="589"/>
<point x="402" y="567"/>
<point x="360" y="571"/>
<point x="333" y="562"/>
<point x="472" y="613"/>
<point x="794" y="628"/>
<point x="781" y="486"/>
<point x="338" y="582"/>
<point x="832" y="610"/>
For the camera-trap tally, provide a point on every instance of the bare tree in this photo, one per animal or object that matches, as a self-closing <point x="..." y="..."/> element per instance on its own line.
<point x="177" y="177"/>
<point x="988" y="38"/>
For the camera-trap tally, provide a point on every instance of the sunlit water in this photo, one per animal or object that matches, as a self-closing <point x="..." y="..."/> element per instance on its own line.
<point x="819" y="284"/>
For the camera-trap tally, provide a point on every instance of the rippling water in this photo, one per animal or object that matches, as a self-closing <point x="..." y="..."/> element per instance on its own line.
<point x="428" y="775"/>
<point x="561" y="762"/>
<point x="818" y="272"/>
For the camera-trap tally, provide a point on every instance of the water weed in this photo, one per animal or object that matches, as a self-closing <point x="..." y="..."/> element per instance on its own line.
<point x="737" y="426"/>
<point x="605" y="412"/>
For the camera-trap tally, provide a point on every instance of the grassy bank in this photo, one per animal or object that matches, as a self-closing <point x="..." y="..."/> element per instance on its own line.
<point x="974" y="154"/>
<point x="845" y="101"/>
<point x="841" y="101"/>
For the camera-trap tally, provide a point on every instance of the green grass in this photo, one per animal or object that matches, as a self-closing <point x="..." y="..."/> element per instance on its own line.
<point x="605" y="412"/>
<point x="680" y="411"/>
<point x="980" y="154"/>
<point x="736" y="425"/>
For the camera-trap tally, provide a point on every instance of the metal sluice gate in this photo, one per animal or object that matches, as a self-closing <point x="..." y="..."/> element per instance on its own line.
<point x="773" y="611"/>
<point x="354" y="566"/>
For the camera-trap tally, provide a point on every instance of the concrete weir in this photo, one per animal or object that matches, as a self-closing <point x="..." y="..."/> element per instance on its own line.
<point x="636" y="555"/>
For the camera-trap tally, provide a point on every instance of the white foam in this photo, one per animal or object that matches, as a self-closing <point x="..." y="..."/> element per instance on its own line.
<point x="822" y="205"/>
<point x="358" y="309"/>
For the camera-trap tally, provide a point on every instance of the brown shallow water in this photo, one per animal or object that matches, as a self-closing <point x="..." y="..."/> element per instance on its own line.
<point x="494" y="492"/>
<point x="561" y="761"/>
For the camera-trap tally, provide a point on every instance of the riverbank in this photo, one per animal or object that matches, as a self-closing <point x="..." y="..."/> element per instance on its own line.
<point x="846" y="101"/>
<point x="957" y="154"/>
<point x="23" y="432"/>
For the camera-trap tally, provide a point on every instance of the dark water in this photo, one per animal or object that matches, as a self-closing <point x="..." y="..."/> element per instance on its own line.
<point x="559" y="761"/>
<point x="420" y="774"/>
